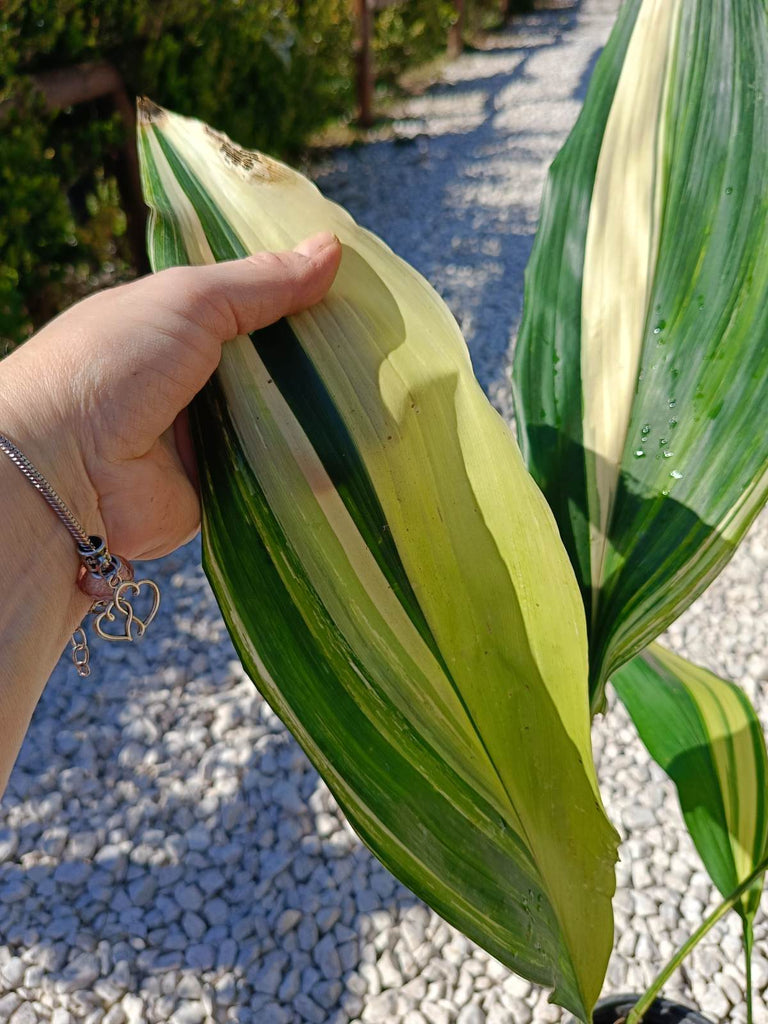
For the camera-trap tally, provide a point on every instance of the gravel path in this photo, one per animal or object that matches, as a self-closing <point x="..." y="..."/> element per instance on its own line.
<point x="166" y="851"/>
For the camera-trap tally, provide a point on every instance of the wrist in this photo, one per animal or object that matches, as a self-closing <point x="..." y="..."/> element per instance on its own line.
<point x="34" y="414"/>
<point x="41" y="432"/>
<point x="40" y="558"/>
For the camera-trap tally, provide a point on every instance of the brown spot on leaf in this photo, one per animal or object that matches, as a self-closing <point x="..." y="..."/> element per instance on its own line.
<point x="248" y="162"/>
<point x="148" y="112"/>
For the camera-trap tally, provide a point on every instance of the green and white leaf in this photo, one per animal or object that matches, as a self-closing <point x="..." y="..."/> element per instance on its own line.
<point x="705" y="734"/>
<point x="641" y="372"/>
<point x="391" y="575"/>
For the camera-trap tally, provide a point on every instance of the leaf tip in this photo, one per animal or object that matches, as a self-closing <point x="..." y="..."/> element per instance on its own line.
<point x="148" y="112"/>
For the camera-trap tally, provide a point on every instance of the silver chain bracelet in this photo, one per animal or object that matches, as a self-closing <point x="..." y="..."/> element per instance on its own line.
<point x="105" y="577"/>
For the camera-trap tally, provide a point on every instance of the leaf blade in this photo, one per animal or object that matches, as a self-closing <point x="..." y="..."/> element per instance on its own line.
<point x="443" y="678"/>
<point x="706" y="736"/>
<point x="650" y="512"/>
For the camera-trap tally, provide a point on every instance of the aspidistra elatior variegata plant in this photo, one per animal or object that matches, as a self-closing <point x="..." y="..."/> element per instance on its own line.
<point x="641" y="372"/>
<point x="391" y="575"/>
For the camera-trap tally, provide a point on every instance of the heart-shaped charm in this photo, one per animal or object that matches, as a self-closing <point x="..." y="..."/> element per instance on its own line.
<point x="120" y="610"/>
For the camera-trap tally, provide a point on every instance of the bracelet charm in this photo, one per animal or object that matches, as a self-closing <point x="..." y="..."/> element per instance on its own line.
<point x="106" y="578"/>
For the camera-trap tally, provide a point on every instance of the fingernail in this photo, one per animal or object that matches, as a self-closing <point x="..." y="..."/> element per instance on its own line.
<point x="312" y="246"/>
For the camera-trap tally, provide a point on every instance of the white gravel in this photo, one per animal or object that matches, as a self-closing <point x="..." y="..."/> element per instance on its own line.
<point x="167" y="854"/>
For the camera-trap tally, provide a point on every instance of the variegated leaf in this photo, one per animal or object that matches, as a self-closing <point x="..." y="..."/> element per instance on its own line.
<point x="391" y="575"/>
<point x="705" y="734"/>
<point x="641" y="372"/>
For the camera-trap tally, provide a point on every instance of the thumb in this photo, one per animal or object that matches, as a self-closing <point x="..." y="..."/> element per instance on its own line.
<point x="240" y="296"/>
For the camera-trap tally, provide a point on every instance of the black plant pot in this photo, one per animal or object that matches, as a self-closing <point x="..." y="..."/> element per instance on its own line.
<point x="615" y="1008"/>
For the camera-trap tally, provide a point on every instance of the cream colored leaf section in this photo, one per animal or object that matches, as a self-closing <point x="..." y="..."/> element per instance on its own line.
<point x="333" y="553"/>
<point x="621" y="253"/>
<point x="342" y="570"/>
<point x="386" y="345"/>
<point x="405" y="340"/>
<point x="272" y="207"/>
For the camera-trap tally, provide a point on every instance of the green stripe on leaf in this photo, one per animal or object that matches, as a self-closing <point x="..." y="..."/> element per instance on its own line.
<point x="406" y="625"/>
<point x="692" y="472"/>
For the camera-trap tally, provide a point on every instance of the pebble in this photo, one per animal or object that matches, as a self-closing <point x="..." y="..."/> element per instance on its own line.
<point x="472" y="1015"/>
<point x="380" y="1008"/>
<point x="8" y="1004"/>
<point x="134" y="1008"/>
<point x="309" y="1009"/>
<point x="9" y="844"/>
<point x="327" y="993"/>
<point x="287" y="921"/>
<point x="389" y="971"/>
<point x="194" y="925"/>
<point x="226" y="989"/>
<point x="189" y="1012"/>
<point x="142" y="890"/>
<point x="13" y="972"/>
<point x="25" y="1014"/>
<point x="638" y="816"/>
<point x="115" y="1015"/>
<point x="520" y="1011"/>
<point x="72" y="872"/>
<point x="435" y="1012"/>
<point x="188" y="897"/>
<point x="413" y="933"/>
<point x="715" y="1003"/>
<point x="327" y="957"/>
<point x="80" y="973"/>
<point x="16" y="890"/>
<point x="267" y="979"/>
<point x="308" y="934"/>
<point x="327" y="917"/>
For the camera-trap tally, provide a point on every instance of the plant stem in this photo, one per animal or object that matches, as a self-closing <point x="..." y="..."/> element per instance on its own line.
<point x="748" y="943"/>
<point x="643" y="1004"/>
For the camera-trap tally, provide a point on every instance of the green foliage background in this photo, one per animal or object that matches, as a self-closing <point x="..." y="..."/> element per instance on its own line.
<point x="267" y="72"/>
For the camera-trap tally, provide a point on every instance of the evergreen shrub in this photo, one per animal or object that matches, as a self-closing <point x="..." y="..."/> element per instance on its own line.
<point x="268" y="72"/>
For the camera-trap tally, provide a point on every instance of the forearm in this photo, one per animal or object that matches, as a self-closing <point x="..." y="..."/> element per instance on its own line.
<point x="40" y="604"/>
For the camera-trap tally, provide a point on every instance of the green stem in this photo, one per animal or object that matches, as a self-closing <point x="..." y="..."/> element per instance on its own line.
<point x="748" y="943"/>
<point x="643" y="1004"/>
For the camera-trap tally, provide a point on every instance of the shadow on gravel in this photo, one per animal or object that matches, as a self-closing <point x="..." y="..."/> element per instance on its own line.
<point x="188" y="840"/>
<point x="456" y="193"/>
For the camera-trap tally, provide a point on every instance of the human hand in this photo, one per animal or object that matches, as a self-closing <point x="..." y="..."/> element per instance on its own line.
<point x="96" y="399"/>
